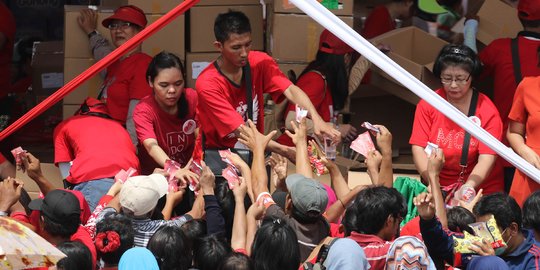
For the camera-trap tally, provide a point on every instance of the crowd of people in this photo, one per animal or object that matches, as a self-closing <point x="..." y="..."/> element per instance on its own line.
<point x="177" y="208"/>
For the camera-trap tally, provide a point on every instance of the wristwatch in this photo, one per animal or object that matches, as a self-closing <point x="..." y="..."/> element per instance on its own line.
<point x="93" y="33"/>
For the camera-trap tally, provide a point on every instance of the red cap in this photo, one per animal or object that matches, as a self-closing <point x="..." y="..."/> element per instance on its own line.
<point x="529" y="10"/>
<point x="329" y="43"/>
<point x="131" y="14"/>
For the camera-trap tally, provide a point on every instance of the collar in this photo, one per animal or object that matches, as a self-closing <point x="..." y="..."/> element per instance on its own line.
<point x="528" y="241"/>
<point x="366" y="239"/>
<point x="529" y="34"/>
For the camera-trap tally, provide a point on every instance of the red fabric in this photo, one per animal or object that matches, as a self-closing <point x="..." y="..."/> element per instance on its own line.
<point x="90" y="224"/>
<point x="313" y="85"/>
<point x="334" y="231"/>
<point x="126" y="80"/>
<point x="497" y="60"/>
<point x="526" y="110"/>
<point x="412" y="228"/>
<point x="7" y="28"/>
<point x="375" y="248"/>
<point x="97" y="67"/>
<point x="222" y="104"/>
<point x="430" y="125"/>
<point x="98" y="147"/>
<point x="378" y="22"/>
<point x="2" y="158"/>
<point x="151" y="122"/>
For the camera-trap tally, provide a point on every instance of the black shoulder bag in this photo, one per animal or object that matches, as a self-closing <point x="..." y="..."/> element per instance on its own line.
<point x="211" y="156"/>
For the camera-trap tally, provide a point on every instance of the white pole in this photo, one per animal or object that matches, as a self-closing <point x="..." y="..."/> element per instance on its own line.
<point x="331" y="22"/>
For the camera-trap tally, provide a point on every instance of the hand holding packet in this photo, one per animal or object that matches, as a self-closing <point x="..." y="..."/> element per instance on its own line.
<point x="363" y="144"/>
<point x="172" y="167"/>
<point x="430" y="147"/>
<point x="231" y="176"/>
<point x="123" y="175"/>
<point x="483" y="231"/>
<point x="315" y="160"/>
<point x="19" y="154"/>
<point x="301" y="113"/>
<point x="369" y="126"/>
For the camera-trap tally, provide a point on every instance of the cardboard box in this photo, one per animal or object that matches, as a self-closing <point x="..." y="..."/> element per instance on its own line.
<point x="497" y="20"/>
<point x="69" y="110"/>
<point x="170" y="38"/>
<point x="201" y="26"/>
<point x="75" y="39"/>
<point x="50" y="171"/>
<point x="195" y="63"/>
<point x="344" y="8"/>
<point x="227" y="2"/>
<point x="295" y="37"/>
<point x="415" y="51"/>
<point x="74" y="67"/>
<point x="47" y="67"/>
<point x="148" y="6"/>
<point x="297" y="68"/>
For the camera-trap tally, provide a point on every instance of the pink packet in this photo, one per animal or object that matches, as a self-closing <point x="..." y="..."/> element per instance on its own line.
<point x="172" y="167"/>
<point x="18" y="154"/>
<point x="369" y="126"/>
<point x="224" y="154"/>
<point x="123" y="175"/>
<point x="196" y="167"/>
<point x="316" y="164"/>
<point x="301" y="113"/>
<point x="231" y="176"/>
<point x="363" y="144"/>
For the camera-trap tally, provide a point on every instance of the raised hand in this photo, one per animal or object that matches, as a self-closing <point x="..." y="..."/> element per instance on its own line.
<point x="425" y="205"/>
<point x="252" y="138"/>
<point x="300" y="131"/>
<point x="87" y="20"/>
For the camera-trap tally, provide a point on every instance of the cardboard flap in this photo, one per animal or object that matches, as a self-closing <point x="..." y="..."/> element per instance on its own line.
<point x="497" y="20"/>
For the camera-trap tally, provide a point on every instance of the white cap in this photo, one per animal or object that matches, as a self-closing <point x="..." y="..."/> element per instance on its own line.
<point x="140" y="194"/>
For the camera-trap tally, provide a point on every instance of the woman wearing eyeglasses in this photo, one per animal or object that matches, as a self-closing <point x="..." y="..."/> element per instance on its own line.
<point x="125" y="81"/>
<point x="474" y="166"/>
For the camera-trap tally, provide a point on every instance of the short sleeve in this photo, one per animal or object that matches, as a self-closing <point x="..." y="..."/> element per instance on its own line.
<point x="518" y="111"/>
<point x="138" y="86"/>
<point x="63" y="151"/>
<point x="275" y="81"/>
<point x="144" y="122"/>
<point x="423" y="120"/>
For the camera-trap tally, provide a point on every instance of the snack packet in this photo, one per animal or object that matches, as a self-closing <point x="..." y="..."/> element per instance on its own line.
<point x="316" y="164"/>
<point x="224" y="154"/>
<point x="483" y="230"/>
<point x="301" y="113"/>
<point x="363" y="144"/>
<point x="369" y="126"/>
<point x="231" y="176"/>
<point x="196" y="167"/>
<point x="172" y="167"/>
<point x="19" y="153"/>
<point x="430" y="147"/>
<point x="123" y="175"/>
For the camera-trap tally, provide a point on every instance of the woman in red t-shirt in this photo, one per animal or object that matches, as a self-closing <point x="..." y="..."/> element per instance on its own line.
<point x="457" y="65"/>
<point x="166" y="121"/>
<point x="325" y="81"/>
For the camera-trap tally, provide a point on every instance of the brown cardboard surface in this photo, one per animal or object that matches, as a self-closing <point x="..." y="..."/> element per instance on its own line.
<point x="169" y="38"/>
<point x="415" y="51"/>
<point x="50" y="171"/>
<point x="47" y="67"/>
<point x="295" y="37"/>
<point x="195" y="63"/>
<point x="72" y="68"/>
<point x="155" y="6"/>
<point x="201" y="25"/>
<point x="75" y="39"/>
<point x="497" y="20"/>
<point x="69" y="110"/>
<point x="226" y="2"/>
<point x="297" y="67"/>
<point x="345" y="7"/>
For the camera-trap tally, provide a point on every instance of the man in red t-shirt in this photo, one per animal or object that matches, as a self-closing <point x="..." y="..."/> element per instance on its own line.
<point x="90" y="148"/>
<point x="222" y="106"/>
<point x="498" y="64"/>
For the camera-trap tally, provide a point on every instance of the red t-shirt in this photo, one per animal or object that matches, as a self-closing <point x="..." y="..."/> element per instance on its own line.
<point x="314" y="86"/>
<point x="2" y="158"/>
<point x="175" y="136"/>
<point x="430" y="125"/>
<point x="222" y="103"/>
<point x="7" y="28"/>
<point x="375" y="248"/>
<point x="378" y="22"/>
<point x="98" y="147"/>
<point x="497" y="60"/>
<point x="126" y="80"/>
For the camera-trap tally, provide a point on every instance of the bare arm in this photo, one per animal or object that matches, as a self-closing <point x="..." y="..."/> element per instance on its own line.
<point x="481" y="170"/>
<point x="384" y="142"/>
<point x="238" y="238"/>
<point x="420" y="161"/>
<point x="155" y="151"/>
<point x="337" y="209"/>
<point x="435" y="164"/>
<point x="255" y="213"/>
<point x="516" y="138"/>
<point x="300" y="140"/>
<point x="33" y="169"/>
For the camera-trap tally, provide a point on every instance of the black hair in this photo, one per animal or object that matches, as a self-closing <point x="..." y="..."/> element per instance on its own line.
<point x="275" y="247"/>
<point x="236" y="261"/>
<point x="78" y="256"/>
<point x="122" y="225"/>
<point x="194" y="230"/>
<point x="531" y="211"/>
<point x="503" y="207"/>
<point x="459" y="219"/>
<point x="227" y="203"/>
<point x="232" y="22"/>
<point x="457" y="55"/>
<point x="372" y="206"/>
<point x="164" y="60"/>
<point x="332" y="67"/>
<point x="209" y="252"/>
<point x="65" y="229"/>
<point x="171" y="248"/>
<point x="449" y="3"/>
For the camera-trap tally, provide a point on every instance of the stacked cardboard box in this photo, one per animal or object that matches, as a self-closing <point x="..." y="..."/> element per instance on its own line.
<point x="201" y="32"/>
<point x="78" y="56"/>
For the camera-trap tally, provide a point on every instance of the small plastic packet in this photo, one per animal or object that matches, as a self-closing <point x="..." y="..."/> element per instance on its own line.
<point x="225" y="154"/>
<point x="123" y="175"/>
<point x="316" y="164"/>
<point x="363" y="144"/>
<point x="172" y="167"/>
<point x="231" y="176"/>
<point x="430" y="147"/>
<point x="369" y="126"/>
<point x="19" y="154"/>
<point x="196" y="167"/>
<point x="301" y="113"/>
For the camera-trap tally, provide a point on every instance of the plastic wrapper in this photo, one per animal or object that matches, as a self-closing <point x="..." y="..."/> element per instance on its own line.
<point x="231" y="176"/>
<point x="317" y="165"/>
<point x="430" y="147"/>
<point x="363" y="144"/>
<point x="483" y="231"/>
<point x="123" y="175"/>
<point x="301" y="113"/>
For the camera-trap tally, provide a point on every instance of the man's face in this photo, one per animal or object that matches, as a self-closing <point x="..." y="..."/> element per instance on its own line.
<point x="235" y="50"/>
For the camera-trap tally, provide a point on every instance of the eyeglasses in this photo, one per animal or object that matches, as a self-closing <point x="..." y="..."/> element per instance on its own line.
<point x="120" y="25"/>
<point x="457" y="80"/>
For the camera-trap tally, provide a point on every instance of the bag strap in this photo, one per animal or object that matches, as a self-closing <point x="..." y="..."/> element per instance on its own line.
<point x="467" y="137"/>
<point x="249" y="88"/>
<point x="515" y="60"/>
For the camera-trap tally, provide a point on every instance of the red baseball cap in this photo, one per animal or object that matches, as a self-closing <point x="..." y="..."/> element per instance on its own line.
<point x="131" y="14"/>
<point x="329" y="43"/>
<point x="529" y="10"/>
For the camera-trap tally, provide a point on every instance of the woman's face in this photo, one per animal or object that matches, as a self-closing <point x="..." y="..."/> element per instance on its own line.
<point x="168" y="87"/>
<point x="456" y="82"/>
<point x="122" y="31"/>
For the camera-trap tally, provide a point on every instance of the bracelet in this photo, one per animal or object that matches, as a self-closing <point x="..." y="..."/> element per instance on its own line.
<point x="93" y="33"/>
<point x="3" y="214"/>
<point x="262" y="194"/>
